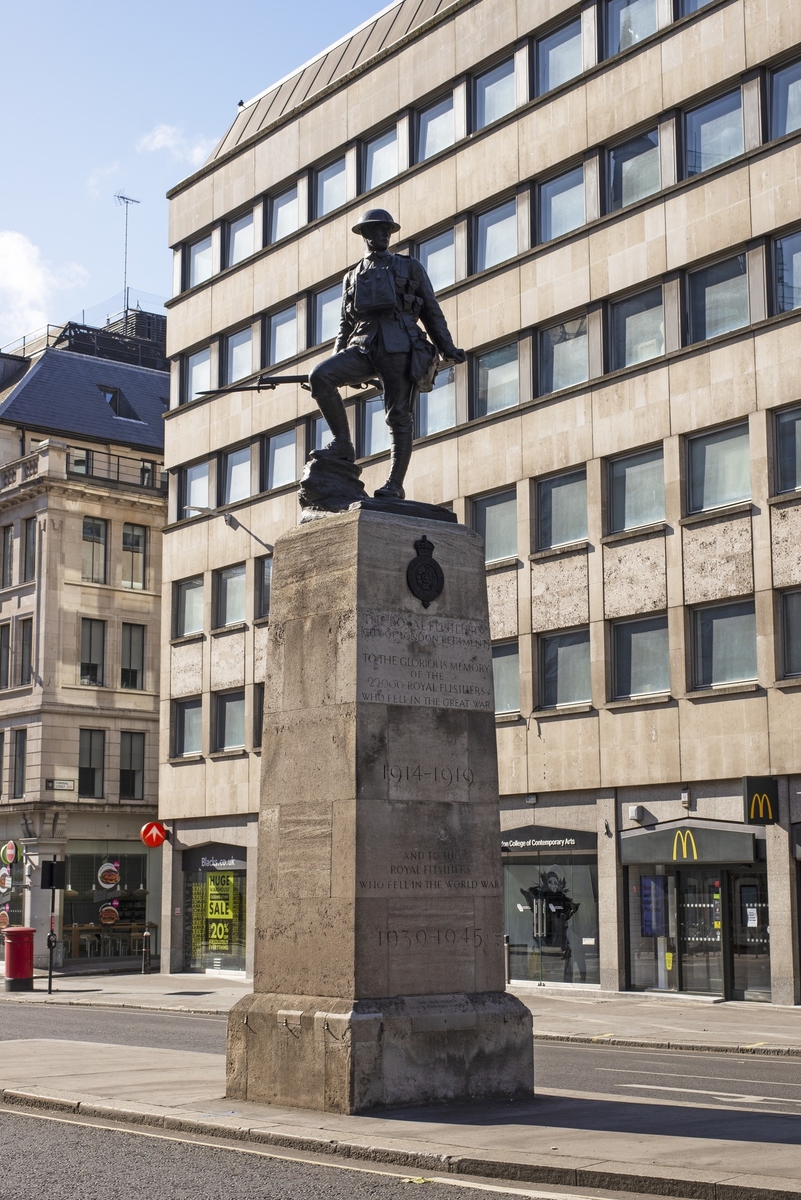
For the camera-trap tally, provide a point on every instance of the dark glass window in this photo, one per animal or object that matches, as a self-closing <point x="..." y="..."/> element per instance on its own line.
<point x="8" y="555"/>
<point x="29" y="549"/>
<point x="787" y="252"/>
<point x="636" y="490"/>
<point x="132" y="765"/>
<point x="495" y="93"/>
<point x="634" y="170"/>
<point x="188" y="727"/>
<point x="239" y="239"/>
<point x="330" y="187"/>
<point x="199" y="261"/>
<point x="26" y="650"/>
<point x="90" y="763"/>
<point x="134" y="538"/>
<point x="506" y="677"/>
<point x="20" y="761"/>
<point x="5" y="655"/>
<point x="93" y="642"/>
<point x="785" y="116"/>
<point x="284" y="214"/>
<point x="628" y="22"/>
<point x="725" y="644"/>
<point x="435" y="128"/>
<point x="641" y="661"/>
<point x="132" y="671"/>
<point x="495" y="520"/>
<point x="719" y="299"/>
<point x="713" y="133"/>
<point x="188" y="607"/>
<point x="230" y="720"/>
<point x="638" y="329"/>
<point x="562" y="510"/>
<point x="565" y="669"/>
<point x="231" y="595"/>
<point x="258" y="714"/>
<point x="95" y="532"/>
<point x="559" y="57"/>
<point x="264" y="574"/>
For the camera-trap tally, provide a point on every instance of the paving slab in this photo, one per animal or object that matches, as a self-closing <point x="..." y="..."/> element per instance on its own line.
<point x="672" y="1149"/>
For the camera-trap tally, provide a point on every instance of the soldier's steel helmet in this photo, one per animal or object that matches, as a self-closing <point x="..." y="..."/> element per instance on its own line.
<point x="376" y="216"/>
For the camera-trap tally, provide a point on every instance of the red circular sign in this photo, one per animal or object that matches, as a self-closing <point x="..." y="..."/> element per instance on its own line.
<point x="153" y="834"/>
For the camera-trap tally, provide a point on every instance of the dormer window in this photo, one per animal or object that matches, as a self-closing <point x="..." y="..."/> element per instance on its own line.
<point x="118" y="404"/>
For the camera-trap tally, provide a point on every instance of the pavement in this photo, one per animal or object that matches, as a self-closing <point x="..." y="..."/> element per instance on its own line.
<point x="711" y="1151"/>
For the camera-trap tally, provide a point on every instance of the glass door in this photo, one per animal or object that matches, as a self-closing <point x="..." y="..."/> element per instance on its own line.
<point x="700" y="929"/>
<point x="653" y="962"/>
<point x="749" y="926"/>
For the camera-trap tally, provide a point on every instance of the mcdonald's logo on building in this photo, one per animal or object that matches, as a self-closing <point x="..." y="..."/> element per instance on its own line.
<point x="685" y="839"/>
<point x="760" y="799"/>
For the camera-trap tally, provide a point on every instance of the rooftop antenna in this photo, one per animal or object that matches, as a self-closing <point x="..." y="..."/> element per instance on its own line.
<point x="121" y="198"/>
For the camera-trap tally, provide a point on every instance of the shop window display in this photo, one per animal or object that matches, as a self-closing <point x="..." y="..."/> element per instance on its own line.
<point x="105" y="905"/>
<point x="215" y="881"/>
<point x="551" y="917"/>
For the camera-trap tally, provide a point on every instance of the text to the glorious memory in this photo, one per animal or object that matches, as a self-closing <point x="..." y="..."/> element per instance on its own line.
<point x="424" y="661"/>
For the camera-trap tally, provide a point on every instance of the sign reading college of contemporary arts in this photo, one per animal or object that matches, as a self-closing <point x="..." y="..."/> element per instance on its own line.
<point x="547" y="838"/>
<point x="760" y="799"/>
<point x="683" y="842"/>
<point x="424" y="661"/>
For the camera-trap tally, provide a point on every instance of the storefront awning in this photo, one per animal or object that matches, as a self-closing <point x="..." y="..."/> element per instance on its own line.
<point x="688" y="841"/>
<point x="546" y="837"/>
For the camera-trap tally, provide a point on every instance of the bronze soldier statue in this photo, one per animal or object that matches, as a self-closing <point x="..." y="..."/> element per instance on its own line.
<point x="379" y="337"/>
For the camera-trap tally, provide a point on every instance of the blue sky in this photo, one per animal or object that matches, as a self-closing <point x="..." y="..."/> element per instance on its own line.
<point x="97" y="98"/>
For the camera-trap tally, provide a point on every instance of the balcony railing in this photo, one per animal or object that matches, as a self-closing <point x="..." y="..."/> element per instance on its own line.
<point x="132" y="472"/>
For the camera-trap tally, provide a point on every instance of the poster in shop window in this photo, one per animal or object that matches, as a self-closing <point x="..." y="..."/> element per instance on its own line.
<point x="653" y="906"/>
<point x="219" y="908"/>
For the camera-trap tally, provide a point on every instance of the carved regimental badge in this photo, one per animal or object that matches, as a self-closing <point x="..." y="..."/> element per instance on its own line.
<point x="424" y="574"/>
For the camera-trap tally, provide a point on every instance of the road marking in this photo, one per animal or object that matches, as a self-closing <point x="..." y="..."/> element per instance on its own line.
<point x="654" y="1087"/>
<point x="682" y="1075"/>
<point x="315" y="1162"/>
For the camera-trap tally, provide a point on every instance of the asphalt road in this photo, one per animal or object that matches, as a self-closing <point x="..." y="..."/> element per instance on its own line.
<point x="116" y="1026"/>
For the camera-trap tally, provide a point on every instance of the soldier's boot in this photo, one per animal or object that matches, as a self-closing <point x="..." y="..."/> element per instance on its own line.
<point x="333" y="410"/>
<point x="400" y="457"/>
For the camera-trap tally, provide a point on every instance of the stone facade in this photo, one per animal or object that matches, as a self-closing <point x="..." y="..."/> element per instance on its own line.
<point x="681" y="747"/>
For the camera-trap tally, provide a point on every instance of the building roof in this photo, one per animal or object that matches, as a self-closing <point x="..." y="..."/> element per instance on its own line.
<point x="377" y="37"/>
<point x="61" y="394"/>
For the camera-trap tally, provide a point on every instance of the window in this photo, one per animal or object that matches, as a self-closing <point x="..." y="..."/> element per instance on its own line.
<point x="147" y="473"/>
<point x="564" y="356"/>
<point x="28" y="549"/>
<point x="5" y="655"/>
<point x="719" y="468"/>
<point x="788" y="451"/>
<point x="197" y="377"/>
<point x="724" y="644"/>
<point x="200" y="264"/>
<point x="330" y="187"/>
<point x="638" y="329"/>
<point x="496" y="235"/>
<point x="495" y="520"/>
<point x="713" y="133"/>
<point x="641" y="662"/>
<point x="80" y="461"/>
<point x="284" y="214"/>
<point x="438" y="256"/>
<point x="20" y="761"/>
<point x="562" y="510"/>
<point x="496" y="380"/>
<point x="134" y="538"/>
<point x="327" y="308"/>
<point x="791" y="628"/>
<point x="264" y="575"/>
<point x="235" y="475"/>
<point x="565" y="669"/>
<point x="628" y="22"/>
<point x="634" y="170"/>
<point x="435" y="128"/>
<point x="94" y="550"/>
<point x="690" y="6"/>
<point x="118" y="404"/>
<point x="559" y="57"/>
<point x="718" y="299"/>
<point x="8" y="555"/>
<point x="280" y="459"/>
<point x="636" y="490"/>
<point x="132" y="765"/>
<point x="231" y="595"/>
<point x="230" y="720"/>
<point x="90" y="763"/>
<point x="239" y="239"/>
<point x="495" y="93"/>
<point x="26" y="650"/>
<point x="2" y="760"/>
<point x="436" y="409"/>
<point x="258" y="714"/>
<point x="283" y="335"/>
<point x="132" y="672"/>
<point x="381" y="159"/>
<point x="788" y="272"/>
<point x="785" y="115"/>
<point x="194" y="489"/>
<point x="506" y="677"/>
<point x="93" y="641"/>
<point x="188" y="727"/>
<point x="562" y="204"/>
<point x="375" y="431"/>
<point x="320" y="433"/>
<point x="188" y="607"/>
<point x="238" y="355"/>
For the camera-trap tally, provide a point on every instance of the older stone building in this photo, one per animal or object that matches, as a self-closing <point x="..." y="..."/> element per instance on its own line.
<point x="82" y="505"/>
<point x="605" y="195"/>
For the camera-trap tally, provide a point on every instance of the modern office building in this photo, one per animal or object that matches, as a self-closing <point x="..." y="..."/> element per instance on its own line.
<point x="82" y="505"/>
<point x="605" y="195"/>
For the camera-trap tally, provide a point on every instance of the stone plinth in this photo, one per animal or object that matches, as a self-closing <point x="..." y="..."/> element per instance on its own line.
<point x="379" y="973"/>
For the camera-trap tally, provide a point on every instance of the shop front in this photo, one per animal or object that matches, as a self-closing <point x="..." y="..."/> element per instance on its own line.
<point x="697" y="912"/>
<point x="111" y="901"/>
<point x="215" y="881"/>
<point x="551" y="904"/>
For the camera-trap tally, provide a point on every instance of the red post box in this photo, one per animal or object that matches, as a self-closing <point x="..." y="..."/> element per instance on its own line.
<point x="19" y="958"/>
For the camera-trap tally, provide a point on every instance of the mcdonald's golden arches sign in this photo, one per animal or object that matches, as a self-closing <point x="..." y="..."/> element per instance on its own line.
<point x="760" y="799"/>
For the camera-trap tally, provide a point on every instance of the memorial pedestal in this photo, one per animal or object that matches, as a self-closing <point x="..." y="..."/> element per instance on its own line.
<point x="379" y="973"/>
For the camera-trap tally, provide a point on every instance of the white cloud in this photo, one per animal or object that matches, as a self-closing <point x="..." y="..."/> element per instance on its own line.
<point x="194" y="151"/>
<point x="97" y="176"/>
<point x="29" y="285"/>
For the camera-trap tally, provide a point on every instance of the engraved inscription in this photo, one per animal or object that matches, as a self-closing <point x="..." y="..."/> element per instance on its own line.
<point x="406" y="939"/>
<point x="424" y="661"/>
<point x="430" y="871"/>
<point x="444" y="775"/>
